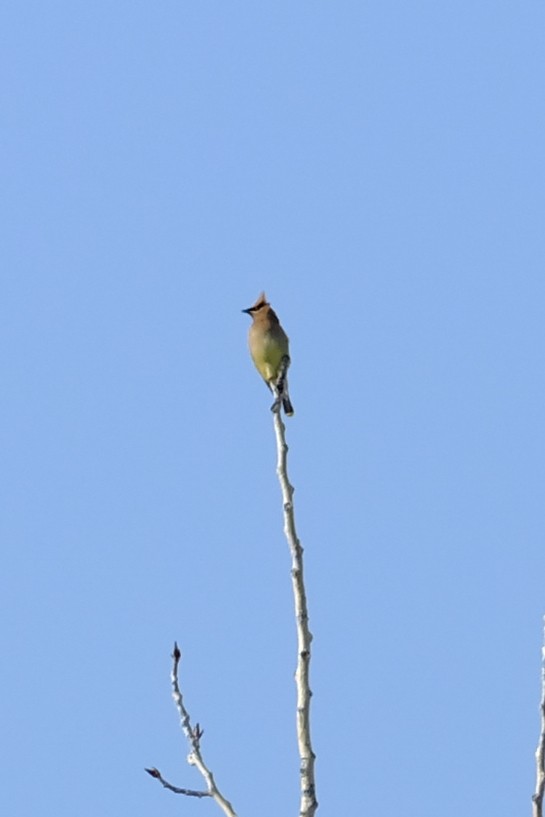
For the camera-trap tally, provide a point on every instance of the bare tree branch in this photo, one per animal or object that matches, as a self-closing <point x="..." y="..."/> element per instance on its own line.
<point x="193" y="735"/>
<point x="309" y="804"/>
<point x="537" y="799"/>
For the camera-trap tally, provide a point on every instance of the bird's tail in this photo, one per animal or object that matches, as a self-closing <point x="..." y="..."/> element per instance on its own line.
<point x="280" y="389"/>
<point x="288" y="408"/>
<point x="282" y="398"/>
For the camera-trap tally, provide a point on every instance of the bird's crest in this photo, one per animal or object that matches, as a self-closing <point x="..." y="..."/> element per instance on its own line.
<point x="261" y="301"/>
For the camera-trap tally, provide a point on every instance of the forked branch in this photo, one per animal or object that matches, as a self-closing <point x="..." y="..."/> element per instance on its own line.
<point x="193" y="735"/>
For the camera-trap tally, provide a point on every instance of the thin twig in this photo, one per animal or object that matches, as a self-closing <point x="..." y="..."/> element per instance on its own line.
<point x="309" y="804"/>
<point x="193" y="735"/>
<point x="176" y="789"/>
<point x="537" y="799"/>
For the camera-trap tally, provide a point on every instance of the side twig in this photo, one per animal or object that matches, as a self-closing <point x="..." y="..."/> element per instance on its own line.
<point x="309" y="804"/>
<point x="193" y="735"/>
<point x="176" y="789"/>
<point x="537" y="799"/>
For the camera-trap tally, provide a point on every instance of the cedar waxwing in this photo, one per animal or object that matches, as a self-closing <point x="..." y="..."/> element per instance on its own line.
<point x="269" y="347"/>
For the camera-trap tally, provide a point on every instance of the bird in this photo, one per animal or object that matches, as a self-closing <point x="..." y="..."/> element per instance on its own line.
<point x="269" y="348"/>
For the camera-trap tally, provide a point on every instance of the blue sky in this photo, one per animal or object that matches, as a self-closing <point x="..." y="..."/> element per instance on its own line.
<point x="378" y="169"/>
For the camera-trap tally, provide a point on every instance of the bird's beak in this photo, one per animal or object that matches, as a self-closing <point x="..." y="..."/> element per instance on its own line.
<point x="248" y="311"/>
